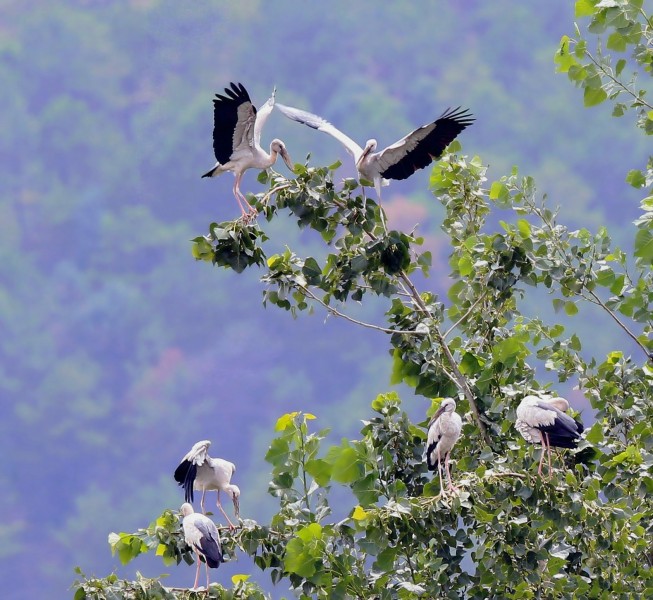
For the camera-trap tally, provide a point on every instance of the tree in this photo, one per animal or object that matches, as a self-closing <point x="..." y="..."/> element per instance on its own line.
<point x="587" y="532"/>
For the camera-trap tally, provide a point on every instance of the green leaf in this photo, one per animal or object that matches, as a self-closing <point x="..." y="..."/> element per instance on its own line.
<point x="465" y="266"/>
<point x="524" y="228"/>
<point x="564" y="59"/>
<point x="277" y="454"/>
<point x="617" y="42"/>
<point x="636" y="178"/>
<point x="593" y="96"/>
<point x="584" y="8"/>
<point x="570" y="308"/>
<point x="365" y="489"/>
<point x="80" y="594"/>
<point x="344" y="466"/>
<point x="297" y="560"/>
<point x="320" y="470"/>
<point x="644" y="245"/>
<point x="312" y="531"/>
<point x="285" y="421"/>
<point x="311" y="270"/>
<point x="595" y="434"/>
<point x="499" y="191"/>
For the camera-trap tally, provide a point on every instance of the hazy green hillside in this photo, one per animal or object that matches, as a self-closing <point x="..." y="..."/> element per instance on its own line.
<point x="117" y="350"/>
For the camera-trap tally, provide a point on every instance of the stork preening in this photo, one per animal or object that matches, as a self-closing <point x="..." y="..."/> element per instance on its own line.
<point x="543" y="420"/>
<point x="400" y="160"/>
<point x="202" y="536"/>
<point x="443" y="432"/>
<point x="198" y="471"/>
<point x="237" y="139"/>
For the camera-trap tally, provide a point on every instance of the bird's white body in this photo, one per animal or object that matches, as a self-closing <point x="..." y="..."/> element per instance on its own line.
<point x="399" y="160"/>
<point x="444" y="430"/>
<point x="543" y="420"/>
<point x="199" y="471"/>
<point x="203" y="537"/>
<point x="237" y="138"/>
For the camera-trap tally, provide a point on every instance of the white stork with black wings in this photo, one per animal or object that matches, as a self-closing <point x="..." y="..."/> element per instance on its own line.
<point x="201" y="534"/>
<point x="237" y="130"/>
<point x="444" y="430"/>
<point x="543" y="420"/>
<point x="199" y="471"/>
<point x="400" y="160"/>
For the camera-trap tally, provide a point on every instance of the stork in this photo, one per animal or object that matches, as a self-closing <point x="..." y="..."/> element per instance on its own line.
<point x="198" y="471"/>
<point x="443" y="432"/>
<point x="236" y="139"/>
<point x="543" y="420"/>
<point x="400" y="160"/>
<point x="202" y="536"/>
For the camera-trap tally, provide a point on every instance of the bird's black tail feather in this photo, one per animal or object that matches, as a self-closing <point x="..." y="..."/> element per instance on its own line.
<point x="185" y="476"/>
<point x="212" y="552"/>
<point x="431" y="456"/>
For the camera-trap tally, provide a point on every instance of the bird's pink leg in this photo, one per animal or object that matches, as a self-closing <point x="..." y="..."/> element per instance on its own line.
<point x="440" y="472"/>
<point x="202" y="501"/>
<point x="237" y="195"/>
<point x="207" y="576"/>
<point x="539" y="469"/>
<point x="231" y="525"/>
<point x="243" y="201"/>
<point x="548" y="451"/>
<point x="197" y="572"/>
<point x="452" y="487"/>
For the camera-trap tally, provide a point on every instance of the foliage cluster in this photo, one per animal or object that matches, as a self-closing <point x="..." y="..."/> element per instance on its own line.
<point x="506" y="533"/>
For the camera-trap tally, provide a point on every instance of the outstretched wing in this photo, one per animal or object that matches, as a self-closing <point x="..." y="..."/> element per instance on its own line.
<point x="420" y="147"/>
<point x="316" y="122"/>
<point x="262" y="116"/>
<point x="234" y="117"/>
<point x="186" y="472"/>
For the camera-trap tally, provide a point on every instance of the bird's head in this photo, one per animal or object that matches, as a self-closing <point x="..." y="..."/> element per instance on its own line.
<point x="370" y="146"/>
<point x="278" y="147"/>
<point x="447" y="405"/>
<point x="234" y="492"/>
<point x="186" y="509"/>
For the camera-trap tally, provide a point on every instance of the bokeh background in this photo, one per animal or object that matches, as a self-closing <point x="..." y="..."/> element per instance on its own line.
<point x="117" y="350"/>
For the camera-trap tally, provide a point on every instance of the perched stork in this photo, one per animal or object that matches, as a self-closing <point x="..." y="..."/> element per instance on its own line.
<point x="444" y="430"/>
<point x="543" y="420"/>
<point x="198" y="471"/>
<point x="399" y="161"/>
<point x="237" y="138"/>
<point x="202" y="536"/>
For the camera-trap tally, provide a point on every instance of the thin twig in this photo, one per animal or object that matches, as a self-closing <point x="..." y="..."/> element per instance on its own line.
<point x="336" y="313"/>
<point x="618" y="82"/>
<point x="467" y="313"/>
<point x="618" y="321"/>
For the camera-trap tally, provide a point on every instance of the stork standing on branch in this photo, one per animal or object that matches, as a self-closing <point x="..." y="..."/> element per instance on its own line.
<point x="400" y="160"/>
<point x="443" y="432"/>
<point x="202" y="536"/>
<point x="543" y="420"/>
<point x="237" y="139"/>
<point x="198" y="471"/>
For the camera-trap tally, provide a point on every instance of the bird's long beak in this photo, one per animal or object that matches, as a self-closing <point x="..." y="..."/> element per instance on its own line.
<point x="237" y="507"/>
<point x="436" y="415"/>
<point x="286" y="159"/>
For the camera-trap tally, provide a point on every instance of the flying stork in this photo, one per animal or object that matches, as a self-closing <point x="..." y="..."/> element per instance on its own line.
<point x="236" y="139"/>
<point x="400" y="160"/>
<point x="202" y="536"/>
<point x="543" y="420"/>
<point x="443" y="432"/>
<point x="198" y="471"/>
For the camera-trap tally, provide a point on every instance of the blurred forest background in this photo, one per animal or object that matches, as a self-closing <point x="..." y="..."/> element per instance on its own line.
<point x="117" y="350"/>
